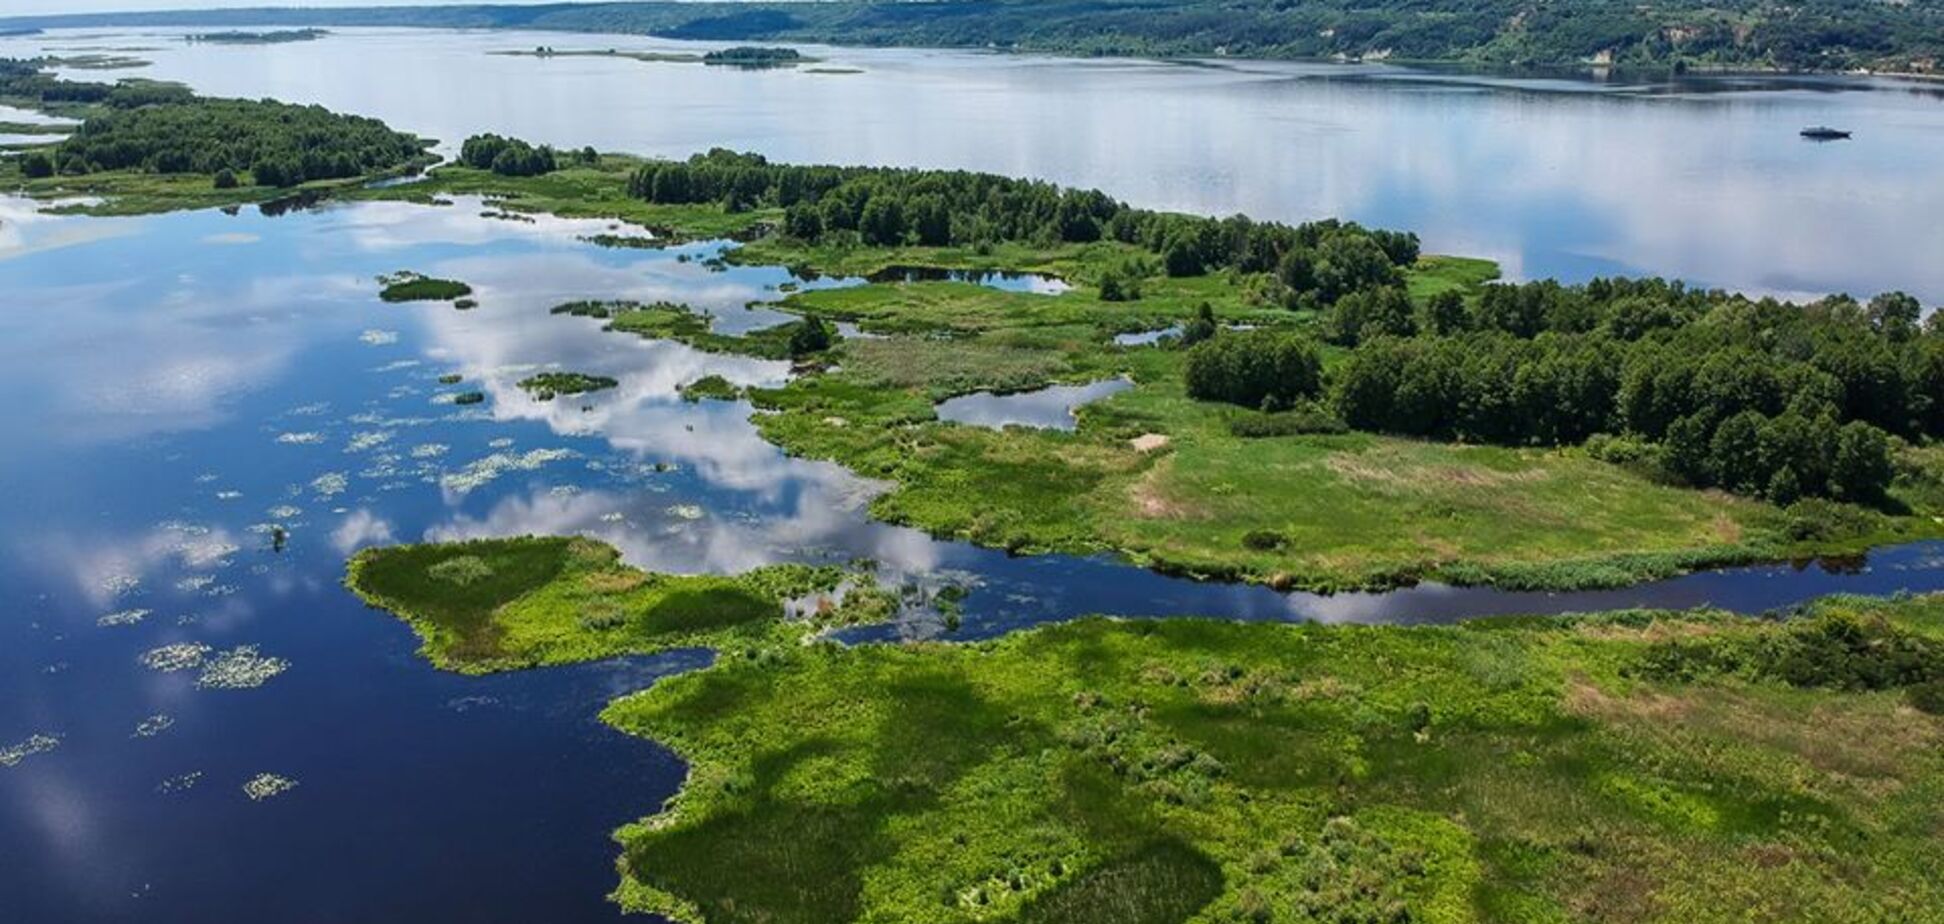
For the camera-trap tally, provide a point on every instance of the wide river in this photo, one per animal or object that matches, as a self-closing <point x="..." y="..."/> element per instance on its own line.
<point x="178" y="383"/>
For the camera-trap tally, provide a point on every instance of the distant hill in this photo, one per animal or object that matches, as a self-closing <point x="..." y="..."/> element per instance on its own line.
<point x="1810" y="35"/>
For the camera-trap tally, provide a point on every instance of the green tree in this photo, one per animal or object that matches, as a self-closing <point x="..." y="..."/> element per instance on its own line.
<point x="1444" y="314"/>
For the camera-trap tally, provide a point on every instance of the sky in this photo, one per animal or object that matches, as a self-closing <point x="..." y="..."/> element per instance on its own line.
<point x="41" y="7"/>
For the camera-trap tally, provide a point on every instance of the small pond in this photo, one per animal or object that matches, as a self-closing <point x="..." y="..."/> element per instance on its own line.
<point x="1031" y="283"/>
<point x="1048" y="408"/>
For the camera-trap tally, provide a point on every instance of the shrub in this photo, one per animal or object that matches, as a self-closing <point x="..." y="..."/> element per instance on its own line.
<point x="813" y="335"/>
<point x="1266" y="369"/>
<point x="225" y="179"/>
<point x="1926" y="697"/>
<point x="1263" y="540"/>
<point x="36" y="165"/>
<point x="1306" y="418"/>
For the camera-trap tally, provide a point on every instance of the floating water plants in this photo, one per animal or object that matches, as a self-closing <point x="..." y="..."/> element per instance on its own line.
<point x="181" y="782"/>
<point x="122" y="618"/>
<point x="240" y="668"/>
<point x="484" y="470"/>
<point x="153" y="725"/>
<point x="180" y="656"/>
<point x="265" y="785"/>
<point x="36" y="744"/>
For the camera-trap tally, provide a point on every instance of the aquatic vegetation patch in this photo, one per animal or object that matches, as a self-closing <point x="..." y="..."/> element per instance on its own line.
<point x="181" y="782"/>
<point x="408" y="286"/>
<point x="153" y="725"/>
<point x="179" y="656"/>
<point x="123" y="618"/>
<point x="303" y="438"/>
<point x="494" y="604"/>
<point x="12" y="755"/>
<point x="376" y="337"/>
<point x="1203" y="770"/>
<point x="429" y="450"/>
<point x="267" y="785"/>
<point x="366" y="440"/>
<point x="240" y="668"/>
<point x="329" y="484"/>
<point x="483" y="471"/>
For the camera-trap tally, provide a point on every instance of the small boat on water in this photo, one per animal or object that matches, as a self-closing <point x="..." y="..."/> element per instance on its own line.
<point x="1824" y="133"/>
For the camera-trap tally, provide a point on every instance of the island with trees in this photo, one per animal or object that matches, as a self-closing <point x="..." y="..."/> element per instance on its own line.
<point x="150" y="146"/>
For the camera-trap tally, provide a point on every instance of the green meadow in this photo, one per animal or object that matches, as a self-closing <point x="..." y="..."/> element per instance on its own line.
<point x="1621" y="767"/>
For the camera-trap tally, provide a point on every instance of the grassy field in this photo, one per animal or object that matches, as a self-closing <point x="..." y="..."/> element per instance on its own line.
<point x="1622" y="767"/>
<point x="1169" y="481"/>
<point x="509" y="603"/>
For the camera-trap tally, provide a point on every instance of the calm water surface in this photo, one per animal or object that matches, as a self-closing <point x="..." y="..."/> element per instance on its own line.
<point x="179" y="383"/>
<point x="1703" y="179"/>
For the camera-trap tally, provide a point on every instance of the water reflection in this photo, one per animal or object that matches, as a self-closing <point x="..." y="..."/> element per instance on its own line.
<point x="1700" y="177"/>
<point x="1030" y="283"/>
<point x="1050" y="408"/>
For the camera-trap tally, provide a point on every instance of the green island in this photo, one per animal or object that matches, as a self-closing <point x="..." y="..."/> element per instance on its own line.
<point x="272" y="37"/>
<point x="1622" y="766"/>
<point x="145" y="146"/>
<point x="741" y="56"/>
<point x="757" y="56"/>
<point x="1807" y="35"/>
<point x="710" y="388"/>
<point x="408" y="286"/>
<point x="547" y="385"/>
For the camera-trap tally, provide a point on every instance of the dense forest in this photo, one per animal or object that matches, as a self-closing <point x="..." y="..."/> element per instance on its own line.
<point x="1757" y="397"/>
<point x="1805" y="35"/>
<point x="887" y="206"/>
<point x="163" y="128"/>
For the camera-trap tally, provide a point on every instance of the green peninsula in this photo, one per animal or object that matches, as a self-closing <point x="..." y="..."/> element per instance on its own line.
<point x="500" y="604"/>
<point x="1641" y="766"/>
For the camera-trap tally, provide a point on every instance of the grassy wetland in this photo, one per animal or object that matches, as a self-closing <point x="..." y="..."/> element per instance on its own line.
<point x="526" y="602"/>
<point x="1290" y="493"/>
<point x="1642" y="766"/>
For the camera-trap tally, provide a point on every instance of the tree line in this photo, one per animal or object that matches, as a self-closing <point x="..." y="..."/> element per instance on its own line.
<point x="164" y="128"/>
<point x="1755" y="396"/>
<point x="1312" y="264"/>
<point x="514" y="157"/>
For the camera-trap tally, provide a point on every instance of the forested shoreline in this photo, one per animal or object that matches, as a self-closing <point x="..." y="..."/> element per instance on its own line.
<point x="1819" y="35"/>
